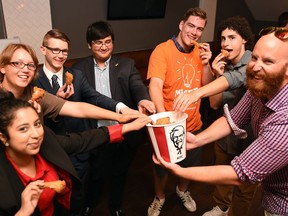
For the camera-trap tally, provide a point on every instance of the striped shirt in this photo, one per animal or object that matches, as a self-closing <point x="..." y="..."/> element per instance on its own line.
<point x="266" y="159"/>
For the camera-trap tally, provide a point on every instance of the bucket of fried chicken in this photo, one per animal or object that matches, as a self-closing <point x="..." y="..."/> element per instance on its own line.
<point x="167" y="133"/>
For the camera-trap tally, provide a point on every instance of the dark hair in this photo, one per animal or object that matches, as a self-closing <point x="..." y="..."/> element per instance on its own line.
<point x="195" y="12"/>
<point x="241" y="26"/>
<point x="9" y="51"/>
<point x="55" y="33"/>
<point x="99" y="30"/>
<point x="8" y="107"/>
<point x="283" y="19"/>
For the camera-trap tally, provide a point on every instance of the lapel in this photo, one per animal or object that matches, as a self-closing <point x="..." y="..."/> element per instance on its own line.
<point x="90" y="72"/>
<point x="113" y="74"/>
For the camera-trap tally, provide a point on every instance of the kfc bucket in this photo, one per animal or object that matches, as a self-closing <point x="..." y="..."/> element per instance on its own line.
<point x="169" y="140"/>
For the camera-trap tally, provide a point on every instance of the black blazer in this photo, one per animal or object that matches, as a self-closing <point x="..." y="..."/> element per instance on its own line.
<point x="126" y="85"/>
<point x="83" y="93"/>
<point x="55" y="149"/>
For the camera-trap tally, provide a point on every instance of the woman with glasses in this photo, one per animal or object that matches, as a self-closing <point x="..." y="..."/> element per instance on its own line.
<point x="265" y="106"/>
<point x="18" y="64"/>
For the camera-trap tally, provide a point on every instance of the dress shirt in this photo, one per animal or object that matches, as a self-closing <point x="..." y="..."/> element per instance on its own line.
<point x="266" y="159"/>
<point x="49" y="75"/>
<point x="102" y="85"/>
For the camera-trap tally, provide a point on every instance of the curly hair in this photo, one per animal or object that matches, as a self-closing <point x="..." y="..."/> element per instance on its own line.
<point x="241" y="26"/>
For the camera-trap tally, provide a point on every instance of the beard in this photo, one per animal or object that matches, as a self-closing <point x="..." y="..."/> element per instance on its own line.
<point x="269" y="86"/>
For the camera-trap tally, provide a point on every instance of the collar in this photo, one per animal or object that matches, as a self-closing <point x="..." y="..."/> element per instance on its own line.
<point x="49" y="73"/>
<point x="41" y="169"/>
<point x="243" y="61"/>
<point x="106" y="62"/>
<point x="279" y="99"/>
<point x="179" y="47"/>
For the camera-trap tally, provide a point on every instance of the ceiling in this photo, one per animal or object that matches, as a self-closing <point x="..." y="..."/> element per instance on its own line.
<point x="267" y="10"/>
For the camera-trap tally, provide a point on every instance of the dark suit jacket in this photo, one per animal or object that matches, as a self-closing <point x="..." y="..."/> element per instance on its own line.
<point x="83" y="93"/>
<point x="126" y="85"/>
<point x="55" y="149"/>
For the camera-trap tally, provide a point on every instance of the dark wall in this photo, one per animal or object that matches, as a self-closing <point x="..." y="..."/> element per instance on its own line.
<point x="227" y="8"/>
<point x="73" y="17"/>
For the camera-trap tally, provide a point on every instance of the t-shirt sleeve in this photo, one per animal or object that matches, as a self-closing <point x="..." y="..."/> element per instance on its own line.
<point x="51" y="105"/>
<point x="236" y="78"/>
<point x="157" y="64"/>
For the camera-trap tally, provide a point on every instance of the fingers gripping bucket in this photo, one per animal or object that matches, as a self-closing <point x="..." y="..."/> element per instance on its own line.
<point x="169" y="140"/>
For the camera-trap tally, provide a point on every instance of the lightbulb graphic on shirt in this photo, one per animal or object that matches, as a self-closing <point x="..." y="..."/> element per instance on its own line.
<point x="188" y="72"/>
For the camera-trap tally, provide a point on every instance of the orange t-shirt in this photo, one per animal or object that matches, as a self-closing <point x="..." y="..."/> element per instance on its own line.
<point x="181" y="72"/>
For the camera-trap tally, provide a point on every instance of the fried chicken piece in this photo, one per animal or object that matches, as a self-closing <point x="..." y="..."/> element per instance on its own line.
<point x="58" y="186"/>
<point x="225" y="53"/>
<point x="195" y="43"/>
<point x="69" y="78"/>
<point x="38" y="94"/>
<point x="162" y="121"/>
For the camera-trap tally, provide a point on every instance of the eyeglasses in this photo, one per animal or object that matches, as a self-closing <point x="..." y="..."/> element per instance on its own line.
<point x="57" y="50"/>
<point x="21" y="65"/>
<point x="99" y="44"/>
<point x="279" y="32"/>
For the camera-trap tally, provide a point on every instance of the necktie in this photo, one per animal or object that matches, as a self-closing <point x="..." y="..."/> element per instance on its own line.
<point x="55" y="84"/>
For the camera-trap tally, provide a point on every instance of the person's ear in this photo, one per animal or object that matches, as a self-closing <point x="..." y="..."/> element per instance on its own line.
<point x="3" y="138"/>
<point x="181" y="25"/>
<point x="2" y="70"/>
<point x="43" y="50"/>
<point x="89" y="46"/>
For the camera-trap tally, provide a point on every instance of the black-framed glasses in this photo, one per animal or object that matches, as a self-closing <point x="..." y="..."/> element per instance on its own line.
<point x="280" y="32"/>
<point x="99" y="44"/>
<point x="57" y="50"/>
<point x="21" y="65"/>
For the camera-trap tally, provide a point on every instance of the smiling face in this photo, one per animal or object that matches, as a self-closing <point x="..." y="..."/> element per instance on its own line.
<point x="15" y="78"/>
<point x="267" y="71"/>
<point x="191" y="29"/>
<point x="26" y="134"/>
<point x="102" y="49"/>
<point x="234" y="44"/>
<point x="54" y="61"/>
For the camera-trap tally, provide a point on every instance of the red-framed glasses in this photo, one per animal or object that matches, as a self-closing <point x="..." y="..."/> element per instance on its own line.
<point x="279" y="32"/>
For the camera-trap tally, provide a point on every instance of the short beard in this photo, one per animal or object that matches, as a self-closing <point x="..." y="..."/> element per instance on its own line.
<point x="270" y="86"/>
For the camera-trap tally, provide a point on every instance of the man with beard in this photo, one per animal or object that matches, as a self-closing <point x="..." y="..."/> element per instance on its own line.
<point x="265" y="106"/>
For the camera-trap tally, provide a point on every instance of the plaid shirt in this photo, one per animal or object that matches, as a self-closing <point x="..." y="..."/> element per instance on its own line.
<point x="266" y="159"/>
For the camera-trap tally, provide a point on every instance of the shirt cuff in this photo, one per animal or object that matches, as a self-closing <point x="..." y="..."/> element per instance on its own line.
<point x="119" y="106"/>
<point x="115" y="132"/>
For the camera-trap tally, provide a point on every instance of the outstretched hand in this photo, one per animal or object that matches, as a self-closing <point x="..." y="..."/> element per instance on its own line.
<point x="191" y="141"/>
<point x="124" y="118"/>
<point x="172" y="167"/>
<point x="137" y="124"/>
<point x="146" y="107"/>
<point x="184" y="100"/>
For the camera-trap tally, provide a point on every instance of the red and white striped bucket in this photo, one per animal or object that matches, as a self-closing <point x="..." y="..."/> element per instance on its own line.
<point x="169" y="140"/>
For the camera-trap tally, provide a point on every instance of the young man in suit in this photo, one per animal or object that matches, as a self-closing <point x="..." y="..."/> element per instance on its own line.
<point x="119" y="79"/>
<point x="55" y="48"/>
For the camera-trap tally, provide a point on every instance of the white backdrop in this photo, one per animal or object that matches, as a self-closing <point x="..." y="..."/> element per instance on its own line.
<point x="29" y="20"/>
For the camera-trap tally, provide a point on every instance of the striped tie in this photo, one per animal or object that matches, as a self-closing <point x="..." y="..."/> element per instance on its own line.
<point x="55" y="84"/>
